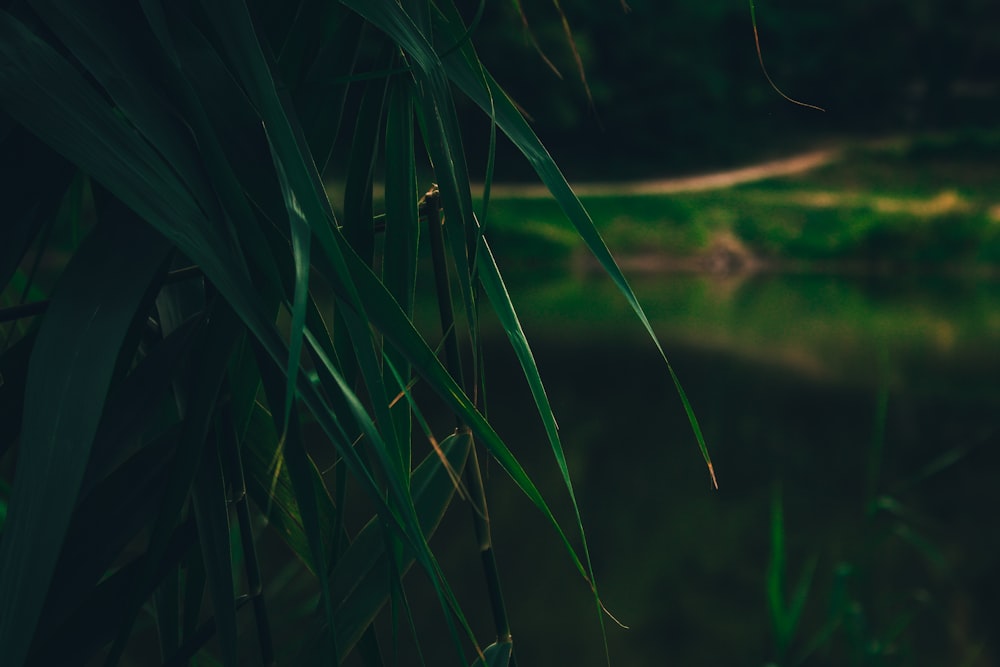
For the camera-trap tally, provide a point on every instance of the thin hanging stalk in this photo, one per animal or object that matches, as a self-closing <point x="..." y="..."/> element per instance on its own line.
<point x="760" y="59"/>
<point x="473" y="476"/>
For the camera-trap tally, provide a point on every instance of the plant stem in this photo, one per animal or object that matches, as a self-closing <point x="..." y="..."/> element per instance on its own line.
<point x="473" y="475"/>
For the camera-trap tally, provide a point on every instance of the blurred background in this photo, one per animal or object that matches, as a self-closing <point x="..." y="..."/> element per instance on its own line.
<point x="835" y="322"/>
<point x="676" y="86"/>
<point x="826" y="285"/>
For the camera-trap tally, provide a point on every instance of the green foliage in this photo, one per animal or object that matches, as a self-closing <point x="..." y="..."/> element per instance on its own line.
<point x="927" y="203"/>
<point x="205" y="330"/>
<point x="853" y="625"/>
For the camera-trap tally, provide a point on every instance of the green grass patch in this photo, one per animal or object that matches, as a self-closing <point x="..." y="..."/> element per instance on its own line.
<point x="924" y="203"/>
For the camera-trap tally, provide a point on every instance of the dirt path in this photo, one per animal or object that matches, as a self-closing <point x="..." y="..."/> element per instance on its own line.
<point x="721" y="179"/>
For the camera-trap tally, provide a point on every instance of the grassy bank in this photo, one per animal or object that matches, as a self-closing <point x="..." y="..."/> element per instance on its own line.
<point x="930" y="203"/>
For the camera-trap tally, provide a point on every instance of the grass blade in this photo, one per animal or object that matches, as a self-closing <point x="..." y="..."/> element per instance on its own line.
<point x="359" y="583"/>
<point x="197" y="393"/>
<point x="69" y="374"/>
<point x="492" y="99"/>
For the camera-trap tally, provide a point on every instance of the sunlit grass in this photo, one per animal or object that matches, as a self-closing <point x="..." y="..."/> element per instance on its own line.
<point x="869" y="207"/>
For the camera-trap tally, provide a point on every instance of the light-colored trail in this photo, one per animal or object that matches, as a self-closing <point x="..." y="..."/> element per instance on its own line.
<point x="711" y="181"/>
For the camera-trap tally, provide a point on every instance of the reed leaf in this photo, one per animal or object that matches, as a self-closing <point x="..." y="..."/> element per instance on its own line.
<point x="71" y="367"/>
<point x="200" y="134"/>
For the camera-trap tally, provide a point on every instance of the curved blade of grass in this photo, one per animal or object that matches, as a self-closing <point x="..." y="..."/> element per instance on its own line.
<point x="309" y="209"/>
<point x="321" y="104"/>
<point x="132" y="404"/>
<point x="296" y="174"/>
<point x="496" y="291"/>
<point x="91" y="135"/>
<point x="492" y="99"/>
<point x="41" y="90"/>
<point x="131" y="494"/>
<point x="390" y="319"/>
<point x="394" y="21"/>
<point x="400" y="511"/>
<point x="273" y="492"/>
<point x="359" y="582"/>
<point x="196" y="395"/>
<point x="402" y="229"/>
<point x="230" y="138"/>
<point x="785" y="616"/>
<point x="68" y="378"/>
<point x="496" y="655"/>
<point x="359" y="233"/>
<point x="236" y="30"/>
<point x="760" y="59"/>
<point x="37" y="78"/>
<point x="78" y="123"/>
<point x="301" y="472"/>
<point x="443" y="139"/>
<point x="301" y="241"/>
<point x="109" y="39"/>
<point x="138" y="175"/>
<point x="388" y="445"/>
<point x="391" y="18"/>
<point x="359" y="181"/>
<point x="98" y="617"/>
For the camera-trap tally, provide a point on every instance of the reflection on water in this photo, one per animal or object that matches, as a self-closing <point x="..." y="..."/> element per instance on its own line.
<point x="866" y="410"/>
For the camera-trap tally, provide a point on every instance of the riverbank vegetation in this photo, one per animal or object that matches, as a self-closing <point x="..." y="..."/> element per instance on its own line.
<point x="929" y="203"/>
<point x="254" y="300"/>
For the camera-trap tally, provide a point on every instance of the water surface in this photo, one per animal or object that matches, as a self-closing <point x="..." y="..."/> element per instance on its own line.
<point x="866" y="408"/>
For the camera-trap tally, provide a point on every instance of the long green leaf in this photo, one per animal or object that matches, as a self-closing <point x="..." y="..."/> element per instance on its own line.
<point x="273" y="493"/>
<point x="110" y="40"/>
<point x="94" y="136"/>
<point x="93" y="544"/>
<point x="72" y="362"/>
<point x="359" y="582"/>
<point x="97" y="619"/>
<point x="390" y="18"/>
<point x="43" y="92"/>
<point x="39" y="88"/>
<point x="386" y="314"/>
<point x="496" y="291"/>
<point x="493" y="100"/>
<point x="402" y="229"/>
<point x="301" y="472"/>
<point x="196" y="393"/>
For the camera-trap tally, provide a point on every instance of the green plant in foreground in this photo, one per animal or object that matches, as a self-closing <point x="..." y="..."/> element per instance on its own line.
<point x="215" y="314"/>
<point x="867" y="619"/>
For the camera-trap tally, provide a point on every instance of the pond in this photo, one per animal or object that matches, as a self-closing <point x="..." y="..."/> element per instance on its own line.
<point x="858" y="418"/>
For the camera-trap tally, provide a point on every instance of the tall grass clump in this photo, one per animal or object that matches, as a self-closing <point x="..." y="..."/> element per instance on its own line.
<point x="198" y="352"/>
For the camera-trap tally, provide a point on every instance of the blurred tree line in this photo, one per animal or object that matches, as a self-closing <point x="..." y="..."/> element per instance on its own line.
<point x="677" y="86"/>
